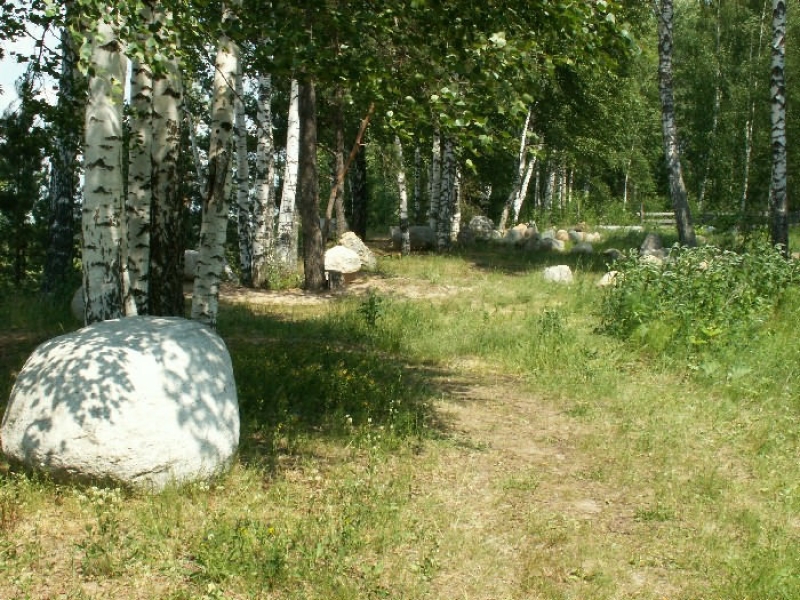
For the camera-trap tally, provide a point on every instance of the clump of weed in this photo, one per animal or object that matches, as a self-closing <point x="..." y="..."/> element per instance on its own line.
<point x="698" y="297"/>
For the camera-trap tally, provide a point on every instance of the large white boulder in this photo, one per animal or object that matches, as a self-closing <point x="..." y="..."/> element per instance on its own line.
<point x="342" y="259"/>
<point x="141" y="401"/>
<point x="353" y="242"/>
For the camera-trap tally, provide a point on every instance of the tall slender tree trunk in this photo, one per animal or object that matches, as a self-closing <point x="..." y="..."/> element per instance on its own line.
<point x="286" y="245"/>
<point x="523" y="190"/>
<point x="514" y="196"/>
<point x="264" y="197"/>
<point x="405" y="237"/>
<point x="243" y="203"/>
<point x="446" y="195"/>
<point x="102" y="212"/>
<point x="308" y="188"/>
<point x="213" y="230"/>
<point x="435" y="184"/>
<point x="778" y="204"/>
<point x="64" y="167"/>
<point x="417" y="185"/>
<point x="680" y="199"/>
<point x="167" y="214"/>
<point x="139" y="200"/>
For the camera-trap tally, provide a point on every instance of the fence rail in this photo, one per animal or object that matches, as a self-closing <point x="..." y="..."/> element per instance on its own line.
<point x="667" y="219"/>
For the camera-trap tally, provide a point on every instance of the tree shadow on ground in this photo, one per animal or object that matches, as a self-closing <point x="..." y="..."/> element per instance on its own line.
<point x="321" y="378"/>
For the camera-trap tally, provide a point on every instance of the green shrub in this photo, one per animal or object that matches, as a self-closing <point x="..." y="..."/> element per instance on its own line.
<point x="697" y="297"/>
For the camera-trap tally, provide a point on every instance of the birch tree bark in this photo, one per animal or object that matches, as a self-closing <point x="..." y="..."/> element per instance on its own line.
<point x="138" y="204"/>
<point x="308" y="187"/>
<point x="264" y="197"/>
<point x="514" y="196"/>
<point x="102" y="216"/>
<point x="64" y="168"/>
<point x="680" y="199"/>
<point x="243" y="203"/>
<point x="435" y="184"/>
<point x="211" y="257"/>
<point x="286" y="244"/>
<point x="405" y="237"/>
<point x="166" y="228"/>
<point x="447" y="196"/>
<point x="778" y="204"/>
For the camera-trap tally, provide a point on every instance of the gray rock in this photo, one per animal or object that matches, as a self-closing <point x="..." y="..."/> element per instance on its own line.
<point x="481" y="227"/>
<point x="612" y="254"/>
<point x="558" y="274"/>
<point x="563" y="235"/>
<point x="549" y="244"/>
<point x="422" y="237"/>
<point x="141" y="401"/>
<point x="583" y="248"/>
<point x="351" y="241"/>
<point x="652" y="246"/>
<point x="576" y="236"/>
<point x="342" y="259"/>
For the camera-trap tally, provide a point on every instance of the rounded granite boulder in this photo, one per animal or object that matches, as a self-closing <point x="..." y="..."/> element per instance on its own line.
<point x="141" y="401"/>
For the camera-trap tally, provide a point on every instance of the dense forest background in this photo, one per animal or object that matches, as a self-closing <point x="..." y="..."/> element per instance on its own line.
<point x="544" y="111"/>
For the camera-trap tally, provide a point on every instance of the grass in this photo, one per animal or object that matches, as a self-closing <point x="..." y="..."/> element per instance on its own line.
<point x="483" y="440"/>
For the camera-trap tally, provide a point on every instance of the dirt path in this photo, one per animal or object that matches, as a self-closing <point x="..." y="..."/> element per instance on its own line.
<point x="525" y="492"/>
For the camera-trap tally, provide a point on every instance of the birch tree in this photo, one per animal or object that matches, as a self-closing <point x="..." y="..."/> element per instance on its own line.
<point x="243" y="202"/>
<point x="514" y="200"/>
<point x="263" y="240"/>
<point x="102" y="217"/>
<point x="139" y="200"/>
<point x="165" y="291"/>
<point x="286" y="242"/>
<point x="405" y="237"/>
<point x="211" y="257"/>
<point x="779" y="216"/>
<point x="680" y="199"/>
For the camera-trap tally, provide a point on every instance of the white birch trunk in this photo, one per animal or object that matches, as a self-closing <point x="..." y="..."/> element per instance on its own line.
<point x="405" y="237"/>
<point x="264" y="198"/>
<point x="549" y="186"/>
<point x="140" y="191"/>
<point x="435" y="183"/>
<point x="446" y="195"/>
<point x="417" y="183"/>
<point x="680" y="200"/>
<point x="523" y="190"/>
<point x="779" y="215"/>
<point x="166" y="239"/>
<point x="102" y="212"/>
<point x="514" y="195"/>
<point x="286" y="243"/>
<point x="243" y="202"/>
<point x="455" y="207"/>
<point x="211" y="258"/>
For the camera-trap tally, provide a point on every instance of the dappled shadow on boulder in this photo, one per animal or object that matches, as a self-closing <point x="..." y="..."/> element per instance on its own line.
<point x="142" y="401"/>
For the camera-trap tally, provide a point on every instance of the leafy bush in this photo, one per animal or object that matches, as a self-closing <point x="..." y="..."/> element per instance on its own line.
<point x="697" y="297"/>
